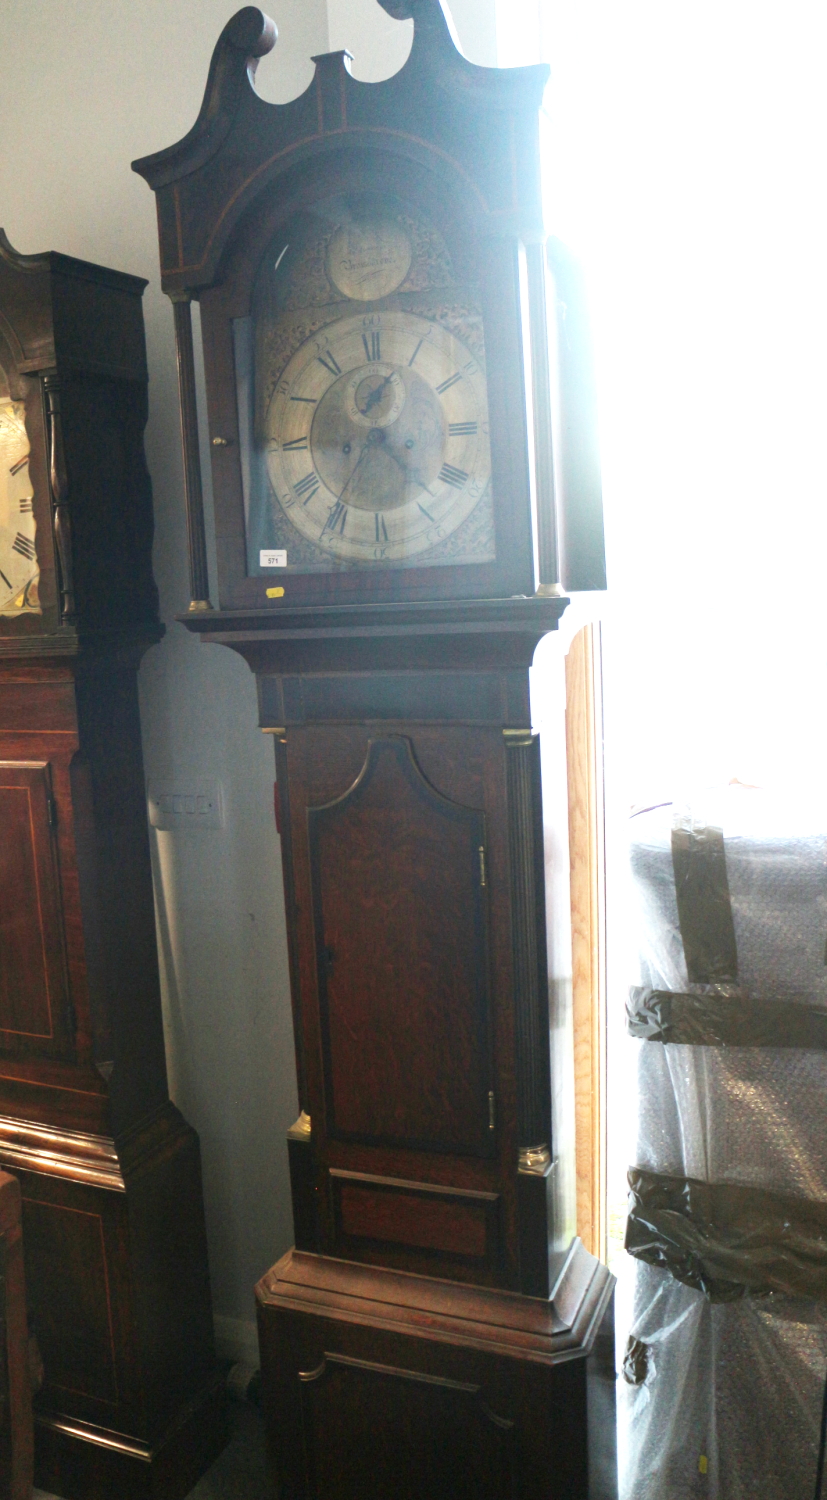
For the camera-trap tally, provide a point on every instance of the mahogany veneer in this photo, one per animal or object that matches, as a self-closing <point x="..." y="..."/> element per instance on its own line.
<point x="113" y="1220"/>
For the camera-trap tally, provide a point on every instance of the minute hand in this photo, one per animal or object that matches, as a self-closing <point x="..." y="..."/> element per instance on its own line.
<point x="353" y="470"/>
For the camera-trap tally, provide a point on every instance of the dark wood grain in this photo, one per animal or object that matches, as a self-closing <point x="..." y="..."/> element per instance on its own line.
<point x="401" y="952"/>
<point x="75" y="1332"/>
<point x="452" y="1445"/>
<point x="16" y="1430"/>
<point x="521" y="1380"/>
<point x="34" y="997"/>
<point x="114" y="1220"/>
<point x="464" y="765"/>
<point x="386" y="1222"/>
<point x="480" y="635"/>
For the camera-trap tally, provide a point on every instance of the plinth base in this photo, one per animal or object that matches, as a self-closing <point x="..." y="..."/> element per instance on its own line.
<point x="85" y="1462"/>
<point x="381" y="1385"/>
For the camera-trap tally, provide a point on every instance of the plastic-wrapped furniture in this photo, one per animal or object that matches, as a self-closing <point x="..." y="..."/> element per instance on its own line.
<point x="728" y="1209"/>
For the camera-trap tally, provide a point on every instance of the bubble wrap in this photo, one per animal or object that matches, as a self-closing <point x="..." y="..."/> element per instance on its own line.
<point x="738" y="1114"/>
<point x="730" y="1407"/>
<point x="731" y="1403"/>
<point x="777" y="887"/>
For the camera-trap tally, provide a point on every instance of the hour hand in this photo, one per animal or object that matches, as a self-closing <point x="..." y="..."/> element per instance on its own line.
<point x="375" y="396"/>
<point x="353" y="470"/>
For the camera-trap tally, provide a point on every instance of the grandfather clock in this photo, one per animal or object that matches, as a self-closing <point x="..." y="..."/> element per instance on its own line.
<point x="372" y="274"/>
<point x="113" y="1222"/>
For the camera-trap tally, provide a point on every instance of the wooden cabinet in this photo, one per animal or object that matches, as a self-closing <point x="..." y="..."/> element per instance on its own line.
<point x="113" y="1221"/>
<point x="399" y="1387"/>
<point x="402" y="876"/>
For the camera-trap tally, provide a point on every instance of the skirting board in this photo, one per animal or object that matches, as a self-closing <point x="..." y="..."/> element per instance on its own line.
<point x="236" y="1339"/>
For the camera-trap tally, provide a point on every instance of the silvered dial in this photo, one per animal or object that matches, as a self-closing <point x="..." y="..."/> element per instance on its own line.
<point x="18" y="558"/>
<point x="377" y="437"/>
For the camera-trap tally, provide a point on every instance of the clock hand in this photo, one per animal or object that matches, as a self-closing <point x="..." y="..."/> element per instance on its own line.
<point x="375" y="396"/>
<point x="353" y="470"/>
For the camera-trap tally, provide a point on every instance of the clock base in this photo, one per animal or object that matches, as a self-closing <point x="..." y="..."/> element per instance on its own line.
<point x="382" y="1385"/>
<point x="132" y="1404"/>
<point x="82" y="1461"/>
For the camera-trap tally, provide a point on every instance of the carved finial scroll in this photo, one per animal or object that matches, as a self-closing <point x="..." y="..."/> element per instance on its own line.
<point x="250" y="32"/>
<point x="407" y="10"/>
<point x="247" y="36"/>
<point x="427" y="15"/>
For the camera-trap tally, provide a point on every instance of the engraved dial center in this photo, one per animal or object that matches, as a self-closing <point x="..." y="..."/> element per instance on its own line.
<point x="375" y="399"/>
<point x="377" y="437"/>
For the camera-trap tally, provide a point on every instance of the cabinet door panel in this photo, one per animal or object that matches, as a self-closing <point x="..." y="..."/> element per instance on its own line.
<point x="399" y="906"/>
<point x="397" y="1434"/>
<point x="33" y="992"/>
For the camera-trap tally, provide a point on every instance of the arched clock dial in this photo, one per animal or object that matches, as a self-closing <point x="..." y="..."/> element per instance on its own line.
<point x="377" y="437"/>
<point x="18" y="556"/>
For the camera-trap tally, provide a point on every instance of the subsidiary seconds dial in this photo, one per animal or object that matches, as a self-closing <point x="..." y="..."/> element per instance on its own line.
<point x="377" y="437"/>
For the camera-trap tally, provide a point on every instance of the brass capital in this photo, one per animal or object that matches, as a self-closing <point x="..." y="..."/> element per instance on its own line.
<point x="535" y="1160"/>
<point x="302" y="1129"/>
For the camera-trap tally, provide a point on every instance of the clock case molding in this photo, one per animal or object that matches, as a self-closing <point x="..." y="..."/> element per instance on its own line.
<point x="113" y="1219"/>
<point x="422" y="1165"/>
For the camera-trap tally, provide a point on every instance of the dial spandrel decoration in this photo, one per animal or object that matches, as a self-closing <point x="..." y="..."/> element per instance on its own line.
<point x="365" y="404"/>
<point x="18" y="556"/>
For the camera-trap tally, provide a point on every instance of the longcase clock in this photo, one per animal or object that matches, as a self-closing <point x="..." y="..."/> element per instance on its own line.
<point x="375" y="306"/>
<point x="113" y="1222"/>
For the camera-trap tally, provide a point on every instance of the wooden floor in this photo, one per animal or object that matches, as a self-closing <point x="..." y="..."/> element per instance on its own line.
<point x="239" y="1474"/>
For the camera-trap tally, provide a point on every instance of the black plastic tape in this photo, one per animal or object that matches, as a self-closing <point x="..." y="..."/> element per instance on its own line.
<point x="728" y="1241"/>
<point x="704" y="906"/>
<point x="723" y="1021"/>
<point x="636" y="1362"/>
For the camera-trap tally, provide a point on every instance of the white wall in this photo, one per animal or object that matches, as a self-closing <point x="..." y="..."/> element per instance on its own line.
<point x="89" y="87"/>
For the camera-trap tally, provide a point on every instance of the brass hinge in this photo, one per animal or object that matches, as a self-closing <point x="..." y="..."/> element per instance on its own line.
<point x="51" y="811"/>
<point x="482" y="864"/>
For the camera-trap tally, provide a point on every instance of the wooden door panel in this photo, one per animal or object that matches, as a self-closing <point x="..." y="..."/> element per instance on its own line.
<point x="68" y="1278"/>
<point x="416" y="1225"/>
<point x="33" y="993"/>
<point x="397" y="1434"/>
<point x="399" y="907"/>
